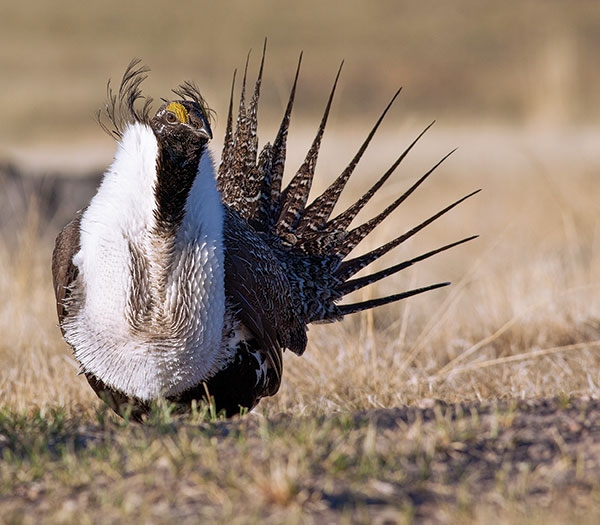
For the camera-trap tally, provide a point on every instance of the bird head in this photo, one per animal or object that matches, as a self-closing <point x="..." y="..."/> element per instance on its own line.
<point x="182" y="130"/>
<point x="182" y="124"/>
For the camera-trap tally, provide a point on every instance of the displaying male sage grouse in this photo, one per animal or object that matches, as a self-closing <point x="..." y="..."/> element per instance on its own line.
<point x="177" y="282"/>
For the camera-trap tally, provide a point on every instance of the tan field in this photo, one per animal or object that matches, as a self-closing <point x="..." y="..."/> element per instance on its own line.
<point x="520" y="319"/>
<point x="460" y="370"/>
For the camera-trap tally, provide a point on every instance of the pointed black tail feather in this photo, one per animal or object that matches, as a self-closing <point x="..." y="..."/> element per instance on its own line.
<point x="271" y="198"/>
<point x="228" y="143"/>
<point x="352" y="266"/>
<point x="351" y="285"/>
<point x="253" y="170"/>
<point x="346" y="309"/>
<point x="240" y="135"/>
<point x="343" y="220"/>
<point x="253" y="115"/>
<point x="319" y="211"/>
<point x="356" y="235"/>
<point x="235" y="151"/>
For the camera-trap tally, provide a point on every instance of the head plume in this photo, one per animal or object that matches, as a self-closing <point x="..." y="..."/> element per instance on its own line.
<point x="120" y="108"/>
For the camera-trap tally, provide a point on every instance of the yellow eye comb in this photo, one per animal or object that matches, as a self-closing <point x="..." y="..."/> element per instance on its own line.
<point x="180" y="112"/>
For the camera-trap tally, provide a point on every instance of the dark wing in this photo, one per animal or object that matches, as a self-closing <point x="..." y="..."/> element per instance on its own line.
<point x="64" y="271"/>
<point x="256" y="283"/>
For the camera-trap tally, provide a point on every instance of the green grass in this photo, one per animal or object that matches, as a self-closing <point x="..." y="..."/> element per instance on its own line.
<point x="402" y="464"/>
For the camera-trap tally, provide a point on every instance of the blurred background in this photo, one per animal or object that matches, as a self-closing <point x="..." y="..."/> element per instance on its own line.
<point x="531" y="63"/>
<point x="513" y="85"/>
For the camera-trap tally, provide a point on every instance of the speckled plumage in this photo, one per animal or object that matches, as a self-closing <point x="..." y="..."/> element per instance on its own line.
<point x="175" y="282"/>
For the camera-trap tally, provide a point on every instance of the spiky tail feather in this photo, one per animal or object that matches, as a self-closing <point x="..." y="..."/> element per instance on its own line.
<point x="310" y="244"/>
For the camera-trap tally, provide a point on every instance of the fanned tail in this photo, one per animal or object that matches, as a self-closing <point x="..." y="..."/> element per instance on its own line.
<point x="311" y="245"/>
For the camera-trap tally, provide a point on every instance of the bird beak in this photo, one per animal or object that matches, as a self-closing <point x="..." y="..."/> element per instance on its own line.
<point x="205" y="131"/>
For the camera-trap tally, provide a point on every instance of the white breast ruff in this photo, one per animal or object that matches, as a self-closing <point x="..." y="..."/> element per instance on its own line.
<point x="185" y="347"/>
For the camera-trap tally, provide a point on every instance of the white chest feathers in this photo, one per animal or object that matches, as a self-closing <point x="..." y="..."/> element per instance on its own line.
<point x="146" y="314"/>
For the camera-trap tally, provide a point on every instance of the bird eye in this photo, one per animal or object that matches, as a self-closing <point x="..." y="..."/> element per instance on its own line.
<point x="171" y="117"/>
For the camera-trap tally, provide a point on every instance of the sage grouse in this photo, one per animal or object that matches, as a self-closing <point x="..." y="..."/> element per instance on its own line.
<point x="176" y="282"/>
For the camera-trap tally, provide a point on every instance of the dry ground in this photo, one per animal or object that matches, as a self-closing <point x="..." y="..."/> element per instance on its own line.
<point x="474" y="401"/>
<point x="525" y="461"/>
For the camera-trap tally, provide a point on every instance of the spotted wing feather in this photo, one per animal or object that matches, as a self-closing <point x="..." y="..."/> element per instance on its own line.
<point x="257" y="284"/>
<point x="64" y="272"/>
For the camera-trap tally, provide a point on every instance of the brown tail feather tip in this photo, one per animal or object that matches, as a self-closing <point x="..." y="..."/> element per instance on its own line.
<point x="319" y="211"/>
<point x="296" y="193"/>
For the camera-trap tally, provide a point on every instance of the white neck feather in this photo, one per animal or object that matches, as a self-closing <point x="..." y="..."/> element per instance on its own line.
<point x="181" y="342"/>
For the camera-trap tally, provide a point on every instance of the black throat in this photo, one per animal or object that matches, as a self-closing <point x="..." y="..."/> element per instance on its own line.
<point x="177" y="167"/>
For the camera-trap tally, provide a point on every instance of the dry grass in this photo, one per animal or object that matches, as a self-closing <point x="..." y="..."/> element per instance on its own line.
<point x="520" y="321"/>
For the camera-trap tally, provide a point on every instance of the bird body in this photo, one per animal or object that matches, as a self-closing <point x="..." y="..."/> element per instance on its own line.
<point x="177" y="282"/>
<point x="152" y="313"/>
